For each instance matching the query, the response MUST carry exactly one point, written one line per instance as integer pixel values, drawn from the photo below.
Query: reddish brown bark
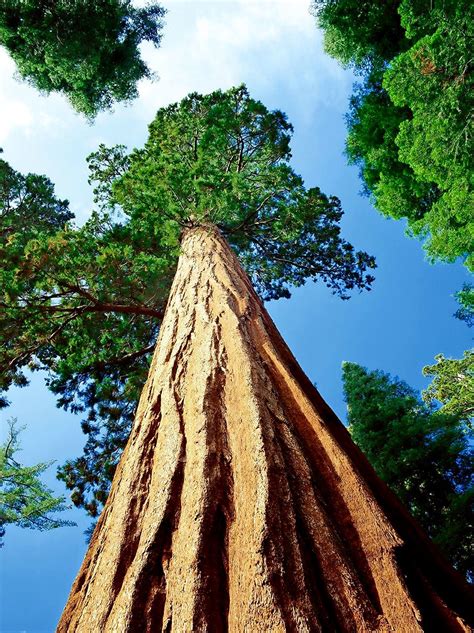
(240, 502)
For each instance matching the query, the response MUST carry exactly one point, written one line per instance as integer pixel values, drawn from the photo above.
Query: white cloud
(14, 112)
(273, 45)
(23, 110)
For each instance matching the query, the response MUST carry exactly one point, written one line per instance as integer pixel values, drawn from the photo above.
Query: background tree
(411, 118)
(86, 303)
(28, 209)
(423, 454)
(453, 378)
(88, 51)
(363, 34)
(24, 500)
(465, 299)
(453, 384)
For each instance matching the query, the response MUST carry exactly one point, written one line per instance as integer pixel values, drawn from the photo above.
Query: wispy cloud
(272, 45)
(24, 111)
(14, 112)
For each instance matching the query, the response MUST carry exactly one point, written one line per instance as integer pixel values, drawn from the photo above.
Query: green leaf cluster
(452, 385)
(465, 299)
(88, 51)
(360, 34)
(453, 378)
(424, 454)
(29, 211)
(411, 118)
(85, 303)
(223, 159)
(24, 500)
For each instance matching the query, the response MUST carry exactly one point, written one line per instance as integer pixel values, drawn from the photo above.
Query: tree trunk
(240, 502)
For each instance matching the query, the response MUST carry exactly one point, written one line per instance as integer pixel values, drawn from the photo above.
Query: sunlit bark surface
(240, 502)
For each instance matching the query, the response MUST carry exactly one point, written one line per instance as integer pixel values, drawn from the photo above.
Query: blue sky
(274, 47)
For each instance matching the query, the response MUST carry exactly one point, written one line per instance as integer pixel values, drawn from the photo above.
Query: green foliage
(85, 304)
(360, 33)
(453, 378)
(28, 210)
(465, 298)
(416, 96)
(434, 80)
(452, 385)
(24, 500)
(374, 123)
(86, 50)
(223, 158)
(424, 455)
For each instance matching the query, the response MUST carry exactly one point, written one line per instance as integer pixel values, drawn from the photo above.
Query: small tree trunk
(240, 502)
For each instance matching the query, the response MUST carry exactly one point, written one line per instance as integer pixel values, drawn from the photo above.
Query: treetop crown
(223, 158)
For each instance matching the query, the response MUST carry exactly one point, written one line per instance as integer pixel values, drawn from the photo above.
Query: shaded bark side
(240, 502)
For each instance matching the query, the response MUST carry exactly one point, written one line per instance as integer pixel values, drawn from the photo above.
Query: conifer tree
(88, 51)
(240, 502)
(24, 499)
(410, 119)
(453, 378)
(424, 454)
(223, 511)
(85, 304)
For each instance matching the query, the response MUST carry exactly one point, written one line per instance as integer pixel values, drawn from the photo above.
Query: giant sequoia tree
(86, 304)
(88, 51)
(240, 502)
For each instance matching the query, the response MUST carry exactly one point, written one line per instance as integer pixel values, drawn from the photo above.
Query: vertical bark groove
(322, 555)
(324, 482)
(240, 503)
